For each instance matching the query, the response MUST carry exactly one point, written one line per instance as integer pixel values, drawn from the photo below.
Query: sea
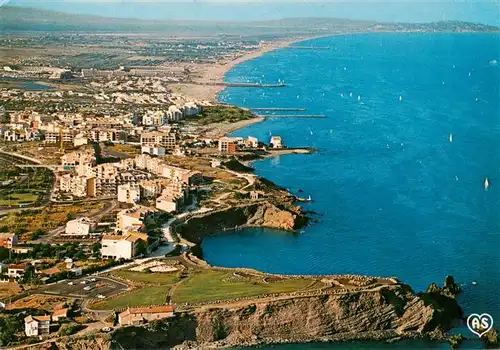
(411, 133)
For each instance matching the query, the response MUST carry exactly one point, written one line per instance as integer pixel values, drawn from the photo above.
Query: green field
(209, 285)
(19, 198)
(200, 285)
(148, 278)
(144, 296)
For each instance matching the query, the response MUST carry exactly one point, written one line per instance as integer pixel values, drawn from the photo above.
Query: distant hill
(15, 18)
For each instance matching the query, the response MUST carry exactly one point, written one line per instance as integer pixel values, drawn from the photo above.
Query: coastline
(214, 73)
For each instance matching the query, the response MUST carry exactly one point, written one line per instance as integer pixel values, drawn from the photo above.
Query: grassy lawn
(145, 296)
(167, 278)
(154, 291)
(218, 285)
(18, 198)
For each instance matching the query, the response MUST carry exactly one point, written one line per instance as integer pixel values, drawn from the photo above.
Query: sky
(485, 11)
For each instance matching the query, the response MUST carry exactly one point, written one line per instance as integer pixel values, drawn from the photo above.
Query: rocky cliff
(383, 313)
(262, 214)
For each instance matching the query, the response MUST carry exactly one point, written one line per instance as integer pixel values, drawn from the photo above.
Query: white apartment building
(167, 140)
(80, 227)
(228, 144)
(154, 118)
(190, 109)
(80, 140)
(119, 246)
(36, 325)
(153, 150)
(79, 186)
(108, 135)
(276, 142)
(131, 218)
(129, 193)
(174, 113)
(78, 157)
(16, 271)
(150, 188)
(252, 142)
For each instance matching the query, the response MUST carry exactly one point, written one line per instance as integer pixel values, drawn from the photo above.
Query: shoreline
(215, 73)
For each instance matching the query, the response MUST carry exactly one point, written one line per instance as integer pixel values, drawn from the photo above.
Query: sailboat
(350, 94)
(486, 184)
(400, 97)
(359, 97)
(341, 94)
(451, 138)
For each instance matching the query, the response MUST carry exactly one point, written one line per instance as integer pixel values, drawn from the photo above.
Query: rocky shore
(259, 214)
(387, 313)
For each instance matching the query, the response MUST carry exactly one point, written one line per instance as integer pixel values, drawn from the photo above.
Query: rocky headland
(385, 313)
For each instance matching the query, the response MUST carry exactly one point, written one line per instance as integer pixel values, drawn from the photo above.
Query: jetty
(293, 116)
(310, 47)
(253, 85)
(277, 109)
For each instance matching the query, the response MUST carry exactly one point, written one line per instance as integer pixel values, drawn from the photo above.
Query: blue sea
(412, 132)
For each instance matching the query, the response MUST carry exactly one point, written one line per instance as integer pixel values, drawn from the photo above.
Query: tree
(29, 275)
(4, 253)
(141, 247)
(96, 249)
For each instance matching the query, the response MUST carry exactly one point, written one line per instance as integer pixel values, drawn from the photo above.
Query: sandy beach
(214, 73)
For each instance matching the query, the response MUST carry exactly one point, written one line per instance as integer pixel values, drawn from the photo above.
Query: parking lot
(91, 287)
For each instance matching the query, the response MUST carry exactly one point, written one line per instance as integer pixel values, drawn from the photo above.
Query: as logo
(480, 324)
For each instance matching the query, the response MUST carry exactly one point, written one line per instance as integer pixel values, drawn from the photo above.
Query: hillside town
(101, 178)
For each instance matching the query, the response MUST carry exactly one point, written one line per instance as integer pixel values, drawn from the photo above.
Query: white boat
(470, 74)
(350, 94)
(298, 96)
(474, 283)
(359, 97)
(310, 131)
(341, 94)
(400, 97)
(486, 184)
(456, 178)
(451, 138)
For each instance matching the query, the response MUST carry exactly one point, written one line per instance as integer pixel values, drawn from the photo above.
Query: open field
(210, 285)
(48, 303)
(144, 296)
(8, 290)
(199, 285)
(146, 278)
(22, 186)
(27, 222)
(151, 289)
